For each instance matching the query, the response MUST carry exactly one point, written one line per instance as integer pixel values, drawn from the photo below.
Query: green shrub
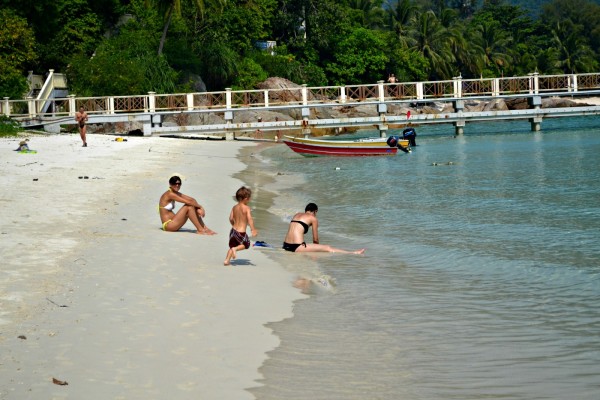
(8, 126)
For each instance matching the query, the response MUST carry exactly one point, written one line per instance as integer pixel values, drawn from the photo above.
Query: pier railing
(456, 88)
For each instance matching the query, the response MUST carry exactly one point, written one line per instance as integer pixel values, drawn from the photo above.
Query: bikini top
(301, 223)
(170, 206)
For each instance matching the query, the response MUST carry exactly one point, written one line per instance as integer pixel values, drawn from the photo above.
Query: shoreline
(147, 314)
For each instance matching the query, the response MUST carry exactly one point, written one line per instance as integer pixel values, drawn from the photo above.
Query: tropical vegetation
(120, 47)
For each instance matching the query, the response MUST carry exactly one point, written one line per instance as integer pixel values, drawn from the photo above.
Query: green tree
(494, 43)
(431, 40)
(173, 7)
(250, 74)
(17, 53)
(408, 65)
(125, 64)
(575, 55)
(582, 13)
(80, 32)
(12, 81)
(244, 22)
(360, 57)
(367, 13)
(17, 41)
(399, 19)
(220, 64)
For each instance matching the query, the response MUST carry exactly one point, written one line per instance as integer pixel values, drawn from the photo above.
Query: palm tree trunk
(165, 29)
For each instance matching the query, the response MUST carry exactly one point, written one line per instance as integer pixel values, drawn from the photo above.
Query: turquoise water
(481, 277)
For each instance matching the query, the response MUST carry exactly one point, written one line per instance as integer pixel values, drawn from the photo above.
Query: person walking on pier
(81, 118)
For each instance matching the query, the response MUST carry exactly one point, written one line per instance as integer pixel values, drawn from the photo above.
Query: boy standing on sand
(240, 217)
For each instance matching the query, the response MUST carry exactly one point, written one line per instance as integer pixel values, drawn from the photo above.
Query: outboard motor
(410, 134)
(394, 141)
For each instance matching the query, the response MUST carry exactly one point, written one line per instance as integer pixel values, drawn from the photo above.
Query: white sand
(105, 300)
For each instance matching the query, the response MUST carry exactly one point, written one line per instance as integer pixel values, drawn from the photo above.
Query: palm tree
(399, 17)
(575, 55)
(432, 41)
(170, 7)
(495, 45)
(373, 15)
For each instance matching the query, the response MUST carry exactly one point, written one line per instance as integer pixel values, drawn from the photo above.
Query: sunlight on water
(481, 278)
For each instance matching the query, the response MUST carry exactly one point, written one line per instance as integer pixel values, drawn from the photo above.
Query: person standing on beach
(81, 118)
(294, 239)
(259, 133)
(240, 218)
(171, 221)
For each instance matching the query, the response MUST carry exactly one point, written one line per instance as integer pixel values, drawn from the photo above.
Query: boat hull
(343, 148)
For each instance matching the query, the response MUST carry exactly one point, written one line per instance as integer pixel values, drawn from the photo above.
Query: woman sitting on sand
(171, 221)
(294, 240)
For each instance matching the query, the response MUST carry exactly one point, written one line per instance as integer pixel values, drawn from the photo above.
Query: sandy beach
(94, 294)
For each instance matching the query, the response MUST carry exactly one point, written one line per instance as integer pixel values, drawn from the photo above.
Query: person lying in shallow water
(294, 239)
(171, 221)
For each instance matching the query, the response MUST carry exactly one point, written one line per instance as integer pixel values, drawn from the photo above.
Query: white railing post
(457, 86)
(152, 101)
(534, 83)
(31, 106)
(228, 98)
(574, 82)
(72, 105)
(228, 116)
(190, 101)
(6, 106)
(342, 94)
(266, 94)
(111, 104)
(381, 91)
(304, 94)
(496, 87)
(419, 90)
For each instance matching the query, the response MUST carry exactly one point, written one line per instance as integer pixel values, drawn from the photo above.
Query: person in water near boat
(171, 221)
(81, 118)
(294, 239)
(240, 218)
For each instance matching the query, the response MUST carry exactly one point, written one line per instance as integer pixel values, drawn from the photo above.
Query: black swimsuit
(293, 246)
(303, 224)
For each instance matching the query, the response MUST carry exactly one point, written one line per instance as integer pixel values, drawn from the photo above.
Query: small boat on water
(358, 147)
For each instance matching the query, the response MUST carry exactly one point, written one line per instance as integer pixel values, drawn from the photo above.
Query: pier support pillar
(305, 117)
(147, 128)
(536, 122)
(383, 128)
(459, 105)
(382, 110)
(229, 134)
(459, 128)
(6, 107)
(156, 120)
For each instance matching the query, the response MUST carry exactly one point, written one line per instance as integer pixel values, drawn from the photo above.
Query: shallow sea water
(481, 277)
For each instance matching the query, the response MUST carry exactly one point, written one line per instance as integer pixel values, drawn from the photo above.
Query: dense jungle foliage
(121, 47)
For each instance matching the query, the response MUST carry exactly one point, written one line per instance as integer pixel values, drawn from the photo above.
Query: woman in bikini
(171, 221)
(294, 240)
